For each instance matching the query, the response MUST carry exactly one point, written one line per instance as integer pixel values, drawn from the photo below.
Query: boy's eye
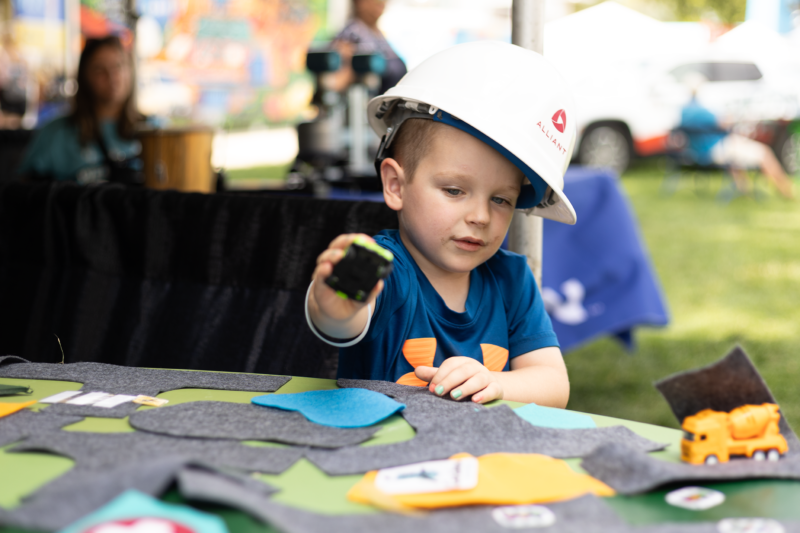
(500, 201)
(453, 192)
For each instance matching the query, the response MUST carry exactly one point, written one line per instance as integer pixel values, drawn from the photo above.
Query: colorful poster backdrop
(226, 63)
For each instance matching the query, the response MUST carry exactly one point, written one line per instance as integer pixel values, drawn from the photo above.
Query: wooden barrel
(178, 159)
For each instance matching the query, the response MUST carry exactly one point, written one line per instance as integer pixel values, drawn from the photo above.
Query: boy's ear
(394, 180)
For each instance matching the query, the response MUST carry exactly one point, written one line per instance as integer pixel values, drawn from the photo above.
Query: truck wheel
(773, 455)
(605, 145)
(759, 455)
(712, 459)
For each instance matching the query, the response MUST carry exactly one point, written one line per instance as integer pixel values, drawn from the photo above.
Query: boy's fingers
(343, 241)
(445, 369)
(476, 383)
(491, 392)
(453, 379)
(334, 255)
(322, 272)
(425, 373)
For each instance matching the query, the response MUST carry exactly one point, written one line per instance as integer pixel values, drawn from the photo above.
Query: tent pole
(527, 31)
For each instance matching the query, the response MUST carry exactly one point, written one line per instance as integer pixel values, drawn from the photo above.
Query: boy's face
(455, 212)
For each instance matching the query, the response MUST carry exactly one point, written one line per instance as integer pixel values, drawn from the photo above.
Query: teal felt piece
(550, 417)
(341, 408)
(135, 511)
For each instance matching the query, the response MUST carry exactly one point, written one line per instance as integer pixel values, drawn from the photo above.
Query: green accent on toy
(373, 247)
(341, 295)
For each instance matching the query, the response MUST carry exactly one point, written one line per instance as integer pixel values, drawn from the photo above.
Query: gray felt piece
(586, 514)
(95, 451)
(130, 380)
(25, 423)
(725, 385)
(225, 420)
(423, 409)
(80, 492)
(492, 430)
(630, 471)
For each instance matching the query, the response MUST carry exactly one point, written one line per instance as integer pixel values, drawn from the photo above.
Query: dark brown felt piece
(96, 451)
(630, 471)
(100, 377)
(238, 421)
(729, 383)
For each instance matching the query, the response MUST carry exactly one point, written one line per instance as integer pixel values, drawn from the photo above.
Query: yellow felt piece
(11, 408)
(503, 479)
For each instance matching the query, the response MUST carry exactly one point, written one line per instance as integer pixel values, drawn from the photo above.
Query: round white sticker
(523, 516)
(749, 525)
(695, 498)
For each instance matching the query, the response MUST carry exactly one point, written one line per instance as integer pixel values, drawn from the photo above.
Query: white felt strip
(114, 401)
(61, 396)
(89, 399)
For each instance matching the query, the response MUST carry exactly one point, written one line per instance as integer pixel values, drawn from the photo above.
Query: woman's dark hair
(83, 113)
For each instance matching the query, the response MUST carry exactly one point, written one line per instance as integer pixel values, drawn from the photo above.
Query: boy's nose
(478, 214)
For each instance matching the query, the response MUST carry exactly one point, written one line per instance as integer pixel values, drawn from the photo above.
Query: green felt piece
(11, 390)
(307, 487)
(101, 425)
(23, 473)
(306, 384)
(40, 389)
(393, 429)
(743, 499)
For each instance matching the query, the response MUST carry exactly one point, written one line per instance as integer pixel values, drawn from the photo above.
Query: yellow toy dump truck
(751, 430)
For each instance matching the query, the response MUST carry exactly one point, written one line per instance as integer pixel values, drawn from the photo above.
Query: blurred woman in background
(362, 36)
(95, 143)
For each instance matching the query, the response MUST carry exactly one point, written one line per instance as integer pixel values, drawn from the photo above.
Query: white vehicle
(626, 69)
(633, 115)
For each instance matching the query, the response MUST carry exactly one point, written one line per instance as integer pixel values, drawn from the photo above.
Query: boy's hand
(462, 377)
(331, 306)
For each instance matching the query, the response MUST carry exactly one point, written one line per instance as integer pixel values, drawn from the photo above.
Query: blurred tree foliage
(728, 11)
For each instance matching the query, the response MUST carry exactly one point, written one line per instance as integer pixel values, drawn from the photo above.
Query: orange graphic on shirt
(420, 352)
(494, 357)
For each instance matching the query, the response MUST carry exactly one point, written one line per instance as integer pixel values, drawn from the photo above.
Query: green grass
(272, 172)
(731, 274)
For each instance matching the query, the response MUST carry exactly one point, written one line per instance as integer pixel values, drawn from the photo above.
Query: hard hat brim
(560, 211)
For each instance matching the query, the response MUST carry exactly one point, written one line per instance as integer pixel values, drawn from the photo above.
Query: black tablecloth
(167, 279)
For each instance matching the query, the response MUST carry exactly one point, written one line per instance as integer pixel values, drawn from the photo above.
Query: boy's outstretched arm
(539, 376)
(331, 314)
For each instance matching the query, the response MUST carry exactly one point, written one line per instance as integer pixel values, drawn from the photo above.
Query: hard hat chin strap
(398, 111)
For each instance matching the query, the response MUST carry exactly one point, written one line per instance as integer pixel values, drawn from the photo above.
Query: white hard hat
(509, 97)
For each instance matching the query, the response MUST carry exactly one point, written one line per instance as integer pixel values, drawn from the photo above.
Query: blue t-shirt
(56, 152)
(412, 326)
(702, 130)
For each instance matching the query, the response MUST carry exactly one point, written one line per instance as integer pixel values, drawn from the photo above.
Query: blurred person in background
(362, 36)
(712, 142)
(95, 142)
(14, 78)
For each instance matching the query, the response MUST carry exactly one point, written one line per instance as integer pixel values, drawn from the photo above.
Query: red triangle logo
(560, 120)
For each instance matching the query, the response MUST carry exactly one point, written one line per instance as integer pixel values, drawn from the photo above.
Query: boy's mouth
(469, 244)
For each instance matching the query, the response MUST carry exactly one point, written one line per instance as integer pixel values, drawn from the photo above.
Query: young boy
(468, 136)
